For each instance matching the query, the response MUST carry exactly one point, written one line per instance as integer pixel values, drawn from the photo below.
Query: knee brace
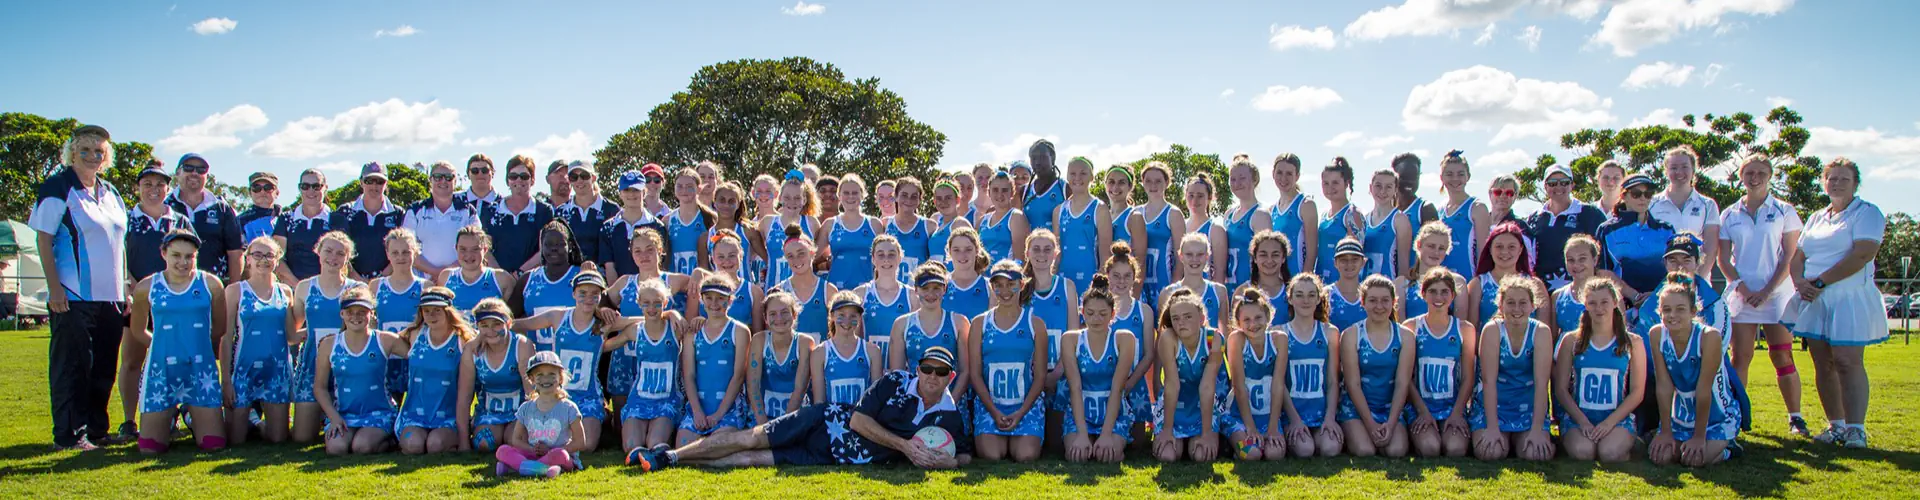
(152, 445)
(1782, 371)
(211, 443)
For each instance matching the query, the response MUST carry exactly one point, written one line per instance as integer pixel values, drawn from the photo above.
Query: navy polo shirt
(143, 240)
(515, 235)
(301, 233)
(368, 232)
(586, 222)
(616, 238)
(257, 221)
(218, 227)
(1550, 234)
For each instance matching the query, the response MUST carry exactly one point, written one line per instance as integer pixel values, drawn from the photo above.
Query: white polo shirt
(1756, 235)
(438, 229)
(89, 230)
(1828, 238)
(1695, 215)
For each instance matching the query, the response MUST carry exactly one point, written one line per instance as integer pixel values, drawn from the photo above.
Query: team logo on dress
(1770, 217)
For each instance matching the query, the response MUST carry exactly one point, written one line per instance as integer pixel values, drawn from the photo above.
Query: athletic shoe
(647, 460)
(128, 433)
(553, 472)
(1798, 426)
(1833, 435)
(636, 456)
(82, 445)
(1855, 438)
(499, 469)
(1734, 450)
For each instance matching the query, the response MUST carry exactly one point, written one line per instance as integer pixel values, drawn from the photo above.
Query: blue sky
(282, 86)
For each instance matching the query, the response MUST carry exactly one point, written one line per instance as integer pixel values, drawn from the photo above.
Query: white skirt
(1848, 313)
(1773, 310)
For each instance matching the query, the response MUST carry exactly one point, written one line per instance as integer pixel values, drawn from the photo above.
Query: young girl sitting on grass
(547, 435)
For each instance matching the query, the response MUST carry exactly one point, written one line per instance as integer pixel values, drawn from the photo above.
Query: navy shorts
(818, 435)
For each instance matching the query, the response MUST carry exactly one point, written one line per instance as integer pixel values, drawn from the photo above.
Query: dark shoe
(1798, 426)
(82, 445)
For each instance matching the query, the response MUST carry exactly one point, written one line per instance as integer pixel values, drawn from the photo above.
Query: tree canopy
(405, 184)
(1185, 163)
(30, 151)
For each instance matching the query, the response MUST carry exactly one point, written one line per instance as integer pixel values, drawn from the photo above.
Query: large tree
(405, 184)
(1185, 164)
(1722, 142)
(756, 116)
(30, 151)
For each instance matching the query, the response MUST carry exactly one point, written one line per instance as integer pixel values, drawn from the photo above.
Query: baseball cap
(1020, 165)
(1637, 180)
(93, 130)
(938, 353)
(579, 165)
(653, 170)
(1684, 244)
(556, 166)
(264, 176)
(180, 235)
(1557, 170)
(545, 358)
(632, 180)
(373, 169)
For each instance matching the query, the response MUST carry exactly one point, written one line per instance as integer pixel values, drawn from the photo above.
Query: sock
(533, 468)
(1793, 415)
(672, 457)
(153, 445)
(211, 443)
(1837, 424)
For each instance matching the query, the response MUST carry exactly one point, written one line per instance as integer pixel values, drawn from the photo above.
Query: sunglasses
(262, 187)
(579, 177)
(1502, 193)
(1639, 193)
(309, 186)
(1559, 183)
(374, 181)
(478, 171)
(937, 371)
(520, 177)
(656, 180)
(193, 169)
(442, 177)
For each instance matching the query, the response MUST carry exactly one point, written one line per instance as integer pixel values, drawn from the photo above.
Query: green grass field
(1776, 465)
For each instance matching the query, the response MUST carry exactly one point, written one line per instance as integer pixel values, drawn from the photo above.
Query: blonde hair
(1516, 284)
(67, 154)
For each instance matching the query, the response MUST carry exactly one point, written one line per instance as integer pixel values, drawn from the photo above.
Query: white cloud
(1883, 156)
(574, 146)
(1632, 25)
(1712, 73)
(1659, 73)
(1298, 37)
(216, 131)
(1430, 17)
(348, 167)
(804, 9)
(403, 30)
(1101, 154)
(1486, 35)
(382, 125)
(1504, 161)
(1344, 138)
(1299, 100)
(485, 141)
(1777, 101)
(1226, 93)
(1662, 116)
(1483, 97)
(214, 26)
(1530, 37)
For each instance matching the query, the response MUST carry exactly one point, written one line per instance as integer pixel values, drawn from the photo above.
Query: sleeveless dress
(498, 386)
(1567, 308)
(1722, 423)
(1515, 382)
(1599, 383)
(544, 295)
(1080, 243)
(1287, 221)
(1341, 312)
(1258, 364)
(1190, 366)
(684, 239)
(1006, 358)
(1120, 231)
(1436, 370)
(811, 319)
(846, 376)
(1039, 208)
(918, 339)
(915, 244)
(777, 372)
(970, 300)
(1136, 320)
(181, 368)
(778, 269)
(937, 239)
(579, 347)
(396, 309)
(997, 239)
(1307, 375)
(1332, 228)
(467, 295)
(1096, 387)
(360, 391)
(1382, 245)
(712, 372)
(655, 392)
(877, 321)
(262, 365)
(1240, 248)
(852, 251)
(1157, 254)
(1052, 308)
(431, 373)
(323, 320)
(1461, 255)
(1377, 368)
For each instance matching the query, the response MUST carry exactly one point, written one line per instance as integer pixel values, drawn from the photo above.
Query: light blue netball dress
(467, 295)
(684, 238)
(1052, 308)
(1489, 298)
(997, 238)
(1191, 365)
(1377, 369)
(937, 239)
(777, 372)
(1159, 254)
(778, 269)
(1436, 374)
(1096, 387)
(712, 372)
(432, 370)
(1307, 375)
(1567, 308)
(1722, 423)
(852, 250)
(1599, 383)
(360, 391)
(1460, 226)
(262, 365)
(846, 375)
(396, 309)
(877, 320)
(1258, 365)
(1039, 208)
(1341, 312)
(1135, 319)
(181, 368)
(579, 346)
(915, 243)
(1287, 221)
(811, 318)
(918, 338)
(1382, 243)
(1332, 228)
(498, 385)
(1515, 382)
(1006, 359)
(655, 392)
(1120, 231)
(1240, 247)
(544, 295)
(323, 320)
(1080, 243)
(969, 300)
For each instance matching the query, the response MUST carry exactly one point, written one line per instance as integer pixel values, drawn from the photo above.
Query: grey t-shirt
(548, 427)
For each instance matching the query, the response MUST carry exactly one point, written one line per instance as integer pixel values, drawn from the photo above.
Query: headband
(489, 314)
(948, 185)
(795, 174)
(847, 303)
(716, 288)
(1009, 274)
(928, 279)
(352, 303)
(1123, 171)
(1081, 159)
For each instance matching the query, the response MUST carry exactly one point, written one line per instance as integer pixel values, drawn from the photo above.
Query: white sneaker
(1834, 434)
(1855, 438)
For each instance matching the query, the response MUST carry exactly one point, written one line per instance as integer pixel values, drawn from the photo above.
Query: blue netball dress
(1159, 252)
(1460, 226)
(1567, 308)
(323, 320)
(1515, 382)
(712, 372)
(877, 320)
(1120, 230)
(544, 295)
(1137, 321)
(683, 241)
(1052, 308)
(1415, 303)
(1191, 366)
(1377, 370)
(1006, 358)
(1341, 312)
(970, 300)
(360, 391)
(915, 243)
(1287, 221)
(1258, 364)
(997, 239)
(1240, 248)
(918, 339)
(852, 251)
(1096, 386)
(811, 318)
(1489, 297)
(778, 269)
(467, 295)
(498, 385)
(1209, 299)
(396, 309)
(1282, 311)
(1333, 227)
(1722, 423)
(262, 367)
(1599, 383)
(1382, 245)
(1713, 311)
(655, 392)
(579, 347)
(846, 375)
(937, 240)
(1040, 208)
(777, 371)
(431, 372)
(740, 307)
(1412, 211)
(1206, 229)
(1307, 375)
(1080, 243)
(1437, 364)
(181, 369)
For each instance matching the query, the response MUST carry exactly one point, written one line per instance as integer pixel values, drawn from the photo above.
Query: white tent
(21, 273)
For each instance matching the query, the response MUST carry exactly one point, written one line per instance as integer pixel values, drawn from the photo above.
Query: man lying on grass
(880, 429)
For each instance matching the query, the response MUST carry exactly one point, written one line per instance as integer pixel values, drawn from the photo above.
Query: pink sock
(558, 457)
(153, 445)
(211, 443)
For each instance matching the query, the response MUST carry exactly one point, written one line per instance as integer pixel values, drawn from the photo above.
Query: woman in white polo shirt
(437, 221)
(82, 227)
(1837, 308)
(1686, 209)
(1756, 235)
